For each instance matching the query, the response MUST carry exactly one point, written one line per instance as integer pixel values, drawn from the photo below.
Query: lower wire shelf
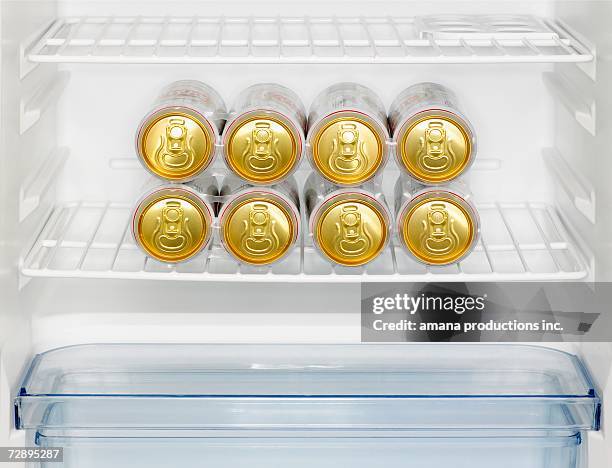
(519, 241)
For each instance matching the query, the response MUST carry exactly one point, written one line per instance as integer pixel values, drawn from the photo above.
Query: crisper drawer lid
(315, 387)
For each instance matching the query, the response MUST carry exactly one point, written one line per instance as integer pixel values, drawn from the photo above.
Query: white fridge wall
(516, 114)
(590, 154)
(22, 153)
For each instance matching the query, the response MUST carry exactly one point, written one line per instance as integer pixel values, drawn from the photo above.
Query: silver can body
(232, 186)
(270, 96)
(205, 186)
(318, 189)
(196, 96)
(406, 189)
(347, 97)
(419, 98)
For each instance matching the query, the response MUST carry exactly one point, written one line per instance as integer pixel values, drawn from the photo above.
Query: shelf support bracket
(578, 190)
(36, 186)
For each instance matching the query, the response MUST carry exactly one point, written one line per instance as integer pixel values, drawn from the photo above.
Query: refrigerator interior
(69, 112)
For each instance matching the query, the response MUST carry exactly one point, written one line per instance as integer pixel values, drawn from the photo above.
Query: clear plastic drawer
(277, 405)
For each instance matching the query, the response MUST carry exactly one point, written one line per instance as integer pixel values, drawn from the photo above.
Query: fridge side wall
(28, 145)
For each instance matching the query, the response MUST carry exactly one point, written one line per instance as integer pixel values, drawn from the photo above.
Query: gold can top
(436, 147)
(176, 145)
(263, 149)
(259, 229)
(172, 225)
(438, 229)
(352, 230)
(348, 150)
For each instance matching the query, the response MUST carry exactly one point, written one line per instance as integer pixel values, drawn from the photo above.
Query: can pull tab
(172, 233)
(259, 236)
(353, 237)
(439, 236)
(261, 154)
(175, 151)
(436, 152)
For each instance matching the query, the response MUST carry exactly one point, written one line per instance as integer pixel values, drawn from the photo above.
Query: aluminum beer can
(174, 222)
(176, 139)
(349, 226)
(347, 134)
(435, 142)
(263, 140)
(259, 225)
(436, 225)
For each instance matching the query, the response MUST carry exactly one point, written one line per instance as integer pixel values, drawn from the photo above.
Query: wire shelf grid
(519, 241)
(430, 39)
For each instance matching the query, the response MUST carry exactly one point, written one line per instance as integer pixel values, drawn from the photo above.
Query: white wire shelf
(520, 241)
(430, 39)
